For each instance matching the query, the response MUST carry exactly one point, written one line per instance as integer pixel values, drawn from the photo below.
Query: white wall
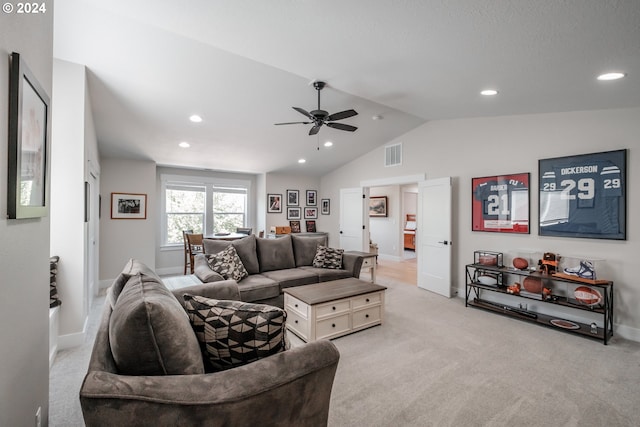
(74, 149)
(121, 239)
(279, 184)
(469, 148)
(24, 246)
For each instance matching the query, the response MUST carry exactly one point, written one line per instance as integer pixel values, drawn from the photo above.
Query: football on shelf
(588, 296)
(520, 263)
(532, 284)
(488, 260)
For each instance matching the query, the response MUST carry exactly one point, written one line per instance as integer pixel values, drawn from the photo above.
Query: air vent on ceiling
(393, 155)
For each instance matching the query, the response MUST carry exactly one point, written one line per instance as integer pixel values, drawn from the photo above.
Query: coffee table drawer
(368, 299)
(335, 307)
(367, 316)
(298, 324)
(333, 326)
(294, 304)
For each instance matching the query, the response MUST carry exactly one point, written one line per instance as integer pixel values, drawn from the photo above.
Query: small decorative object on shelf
(549, 263)
(520, 263)
(488, 258)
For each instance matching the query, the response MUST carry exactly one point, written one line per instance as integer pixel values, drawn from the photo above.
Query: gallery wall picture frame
(28, 142)
(310, 212)
(312, 197)
(274, 203)
(325, 206)
(293, 198)
(295, 226)
(294, 213)
(500, 203)
(311, 226)
(584, 196)
(378, 206)
(128, 206)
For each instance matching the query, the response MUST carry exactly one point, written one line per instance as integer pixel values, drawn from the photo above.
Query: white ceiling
(242, 65)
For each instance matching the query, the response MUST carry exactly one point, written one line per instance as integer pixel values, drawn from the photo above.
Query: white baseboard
(627, 332)
(54, 316)
(73, 340)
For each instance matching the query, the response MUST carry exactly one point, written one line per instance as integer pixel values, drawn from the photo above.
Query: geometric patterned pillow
(328, 257)
(234, 333)
(228, 264)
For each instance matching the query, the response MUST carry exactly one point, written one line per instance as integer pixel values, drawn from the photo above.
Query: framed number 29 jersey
(583, 196)
(500, 203)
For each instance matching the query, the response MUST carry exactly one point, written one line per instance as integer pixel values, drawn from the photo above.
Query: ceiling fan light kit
(321, 117)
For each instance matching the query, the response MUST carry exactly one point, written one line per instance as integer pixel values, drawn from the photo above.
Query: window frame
(210, 184)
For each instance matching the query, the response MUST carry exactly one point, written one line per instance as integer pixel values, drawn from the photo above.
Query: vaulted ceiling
(242, 64)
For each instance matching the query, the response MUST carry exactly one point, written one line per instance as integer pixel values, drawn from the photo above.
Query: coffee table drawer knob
(366, 315)
(333, 308)
(367, 300)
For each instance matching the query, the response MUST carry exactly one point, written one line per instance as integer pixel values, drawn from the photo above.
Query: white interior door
(354, 219)
(434, 236)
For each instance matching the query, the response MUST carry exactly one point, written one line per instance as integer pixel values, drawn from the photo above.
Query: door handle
(445, 242)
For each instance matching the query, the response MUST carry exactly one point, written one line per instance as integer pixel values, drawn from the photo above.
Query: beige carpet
(436, 363)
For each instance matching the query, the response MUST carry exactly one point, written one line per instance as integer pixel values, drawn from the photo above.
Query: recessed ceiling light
(377, 117)
(489, 92)
(611, 76)
(302, 161)
(195, 118)
(184, 144)
(328, 144)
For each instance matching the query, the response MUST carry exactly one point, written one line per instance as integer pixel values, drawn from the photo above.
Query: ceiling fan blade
(342, 115)
(301, 111)
(293, 123)
(314, 130)
(342, 126)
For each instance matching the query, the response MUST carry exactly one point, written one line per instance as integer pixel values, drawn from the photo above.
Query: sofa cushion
(227, 263)
(234, 333)
(292, 277)
(257, 287)
(328, 257)
(150, 333)
(275, 254)
(305, 248)
(246, 248)
(327, 274)
(131, 268)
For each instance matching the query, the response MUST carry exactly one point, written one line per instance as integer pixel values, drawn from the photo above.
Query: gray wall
(469, 148)
(24, 246)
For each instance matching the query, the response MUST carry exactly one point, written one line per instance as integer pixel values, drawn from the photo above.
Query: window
(202, 204)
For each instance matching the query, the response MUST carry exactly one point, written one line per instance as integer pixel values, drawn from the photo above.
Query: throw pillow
(228, 264)
(234, 333)
(328, 258)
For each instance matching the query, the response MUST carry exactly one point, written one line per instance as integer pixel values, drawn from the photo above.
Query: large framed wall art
(500, 203)
(27, 192)
(584, 196)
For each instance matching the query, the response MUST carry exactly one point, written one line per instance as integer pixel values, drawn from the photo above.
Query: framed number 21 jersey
(500, 203)
(583, 196)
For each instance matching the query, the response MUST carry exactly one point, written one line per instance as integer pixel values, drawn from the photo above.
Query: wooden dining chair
(187, 260)
(194, 245)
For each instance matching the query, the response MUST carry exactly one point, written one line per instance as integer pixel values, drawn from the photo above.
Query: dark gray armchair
(291, 388)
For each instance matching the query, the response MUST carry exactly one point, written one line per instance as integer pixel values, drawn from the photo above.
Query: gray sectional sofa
(275, 264)
(147, 369)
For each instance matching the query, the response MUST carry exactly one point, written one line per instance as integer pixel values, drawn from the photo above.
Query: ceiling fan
(321, 117)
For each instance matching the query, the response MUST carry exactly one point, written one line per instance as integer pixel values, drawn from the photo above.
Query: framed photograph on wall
(312, 197)
(28, 143)
(294, 213)
(311, 226)
(325, 207)
(128, 206)
(584, 196)
(500, 203)
(378, 206)
(274, 203)
(310, 213)
(293, 197)
(295, 226)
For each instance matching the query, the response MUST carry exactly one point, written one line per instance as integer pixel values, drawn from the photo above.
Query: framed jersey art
(500, 203)
(584, 196)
